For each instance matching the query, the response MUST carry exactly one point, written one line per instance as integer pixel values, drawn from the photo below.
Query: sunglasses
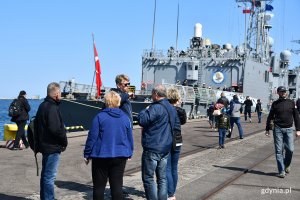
(126, 84)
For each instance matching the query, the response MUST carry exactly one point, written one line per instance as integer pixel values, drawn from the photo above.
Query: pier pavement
(245, 169)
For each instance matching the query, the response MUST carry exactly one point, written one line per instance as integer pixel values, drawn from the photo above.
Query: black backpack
(14, 109)
(33, 141)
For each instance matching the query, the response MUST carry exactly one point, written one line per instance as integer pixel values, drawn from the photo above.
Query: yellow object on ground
(10, 131)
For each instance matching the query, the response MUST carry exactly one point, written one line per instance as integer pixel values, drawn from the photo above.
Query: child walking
(223, 125)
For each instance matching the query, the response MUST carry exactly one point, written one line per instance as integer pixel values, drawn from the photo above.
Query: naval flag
(269, 7)
(97, 72)
(246, 10)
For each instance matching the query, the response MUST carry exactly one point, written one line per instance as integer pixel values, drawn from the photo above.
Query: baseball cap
(281, 89)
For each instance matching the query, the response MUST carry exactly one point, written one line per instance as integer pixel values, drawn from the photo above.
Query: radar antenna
(298, 50)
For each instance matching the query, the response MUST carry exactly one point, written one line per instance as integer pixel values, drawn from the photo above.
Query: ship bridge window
(196, 67)
(190, 67)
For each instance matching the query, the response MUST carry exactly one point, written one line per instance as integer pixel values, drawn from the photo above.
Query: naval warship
(201, 72)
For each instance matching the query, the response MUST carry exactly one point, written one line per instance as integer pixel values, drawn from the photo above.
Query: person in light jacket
(235, 116)
(109, 145)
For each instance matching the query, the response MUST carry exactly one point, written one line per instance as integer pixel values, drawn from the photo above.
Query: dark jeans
(259, 116)
(111, 169)
(21, 134)
(172, 171)
(247, 111)
(50, 164)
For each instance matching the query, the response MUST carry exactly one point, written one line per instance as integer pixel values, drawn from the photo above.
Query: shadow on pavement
(247, 171)
(132, 192)
(8, 197)
(128, 192)
(70, 185)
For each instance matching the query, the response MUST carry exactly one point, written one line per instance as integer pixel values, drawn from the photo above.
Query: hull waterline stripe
(82, 104)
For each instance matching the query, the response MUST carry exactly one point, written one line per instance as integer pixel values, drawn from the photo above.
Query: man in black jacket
(248, 104)
(223, 100)
(52, 138)
(282, 113)
(21, 121)
(298, 104)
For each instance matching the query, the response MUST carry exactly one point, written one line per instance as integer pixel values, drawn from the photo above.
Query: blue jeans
(259, 116)
(49, 170)
(237, 121)
(222, 133)
(172, 171)
(283, 138)
(154, 162)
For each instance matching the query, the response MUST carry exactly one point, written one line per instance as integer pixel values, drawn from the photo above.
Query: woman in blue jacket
(109, 145)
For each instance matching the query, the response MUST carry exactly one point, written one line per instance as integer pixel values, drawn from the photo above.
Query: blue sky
(45, 41)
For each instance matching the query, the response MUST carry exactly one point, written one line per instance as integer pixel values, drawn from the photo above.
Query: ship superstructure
(251, 69)
(201, 72)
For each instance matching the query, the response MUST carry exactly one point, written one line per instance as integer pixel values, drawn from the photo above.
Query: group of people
(284, 113)
(110, 143)
(223, 115)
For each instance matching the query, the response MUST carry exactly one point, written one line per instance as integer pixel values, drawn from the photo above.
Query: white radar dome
(227, 46)
(285, 55)
(271, 41)
(198, 30)
(207, 42)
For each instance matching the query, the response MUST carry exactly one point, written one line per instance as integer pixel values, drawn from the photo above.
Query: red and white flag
(98, 72)
(246, 10)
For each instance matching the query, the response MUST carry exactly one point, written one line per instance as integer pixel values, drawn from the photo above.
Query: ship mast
(177, 27)
(153, 30)
(257, 39)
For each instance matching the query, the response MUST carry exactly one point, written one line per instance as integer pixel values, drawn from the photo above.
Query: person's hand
(86, 160)
(297, 133)
(131, 95)
(267, 133)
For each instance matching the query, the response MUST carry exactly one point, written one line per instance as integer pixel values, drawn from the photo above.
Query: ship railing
(72, 87)
(150, 53)
(206, 95)
(187, 93)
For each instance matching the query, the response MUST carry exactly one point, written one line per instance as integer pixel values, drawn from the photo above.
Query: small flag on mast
(246, 10)
(97, 72)
(269, 7)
